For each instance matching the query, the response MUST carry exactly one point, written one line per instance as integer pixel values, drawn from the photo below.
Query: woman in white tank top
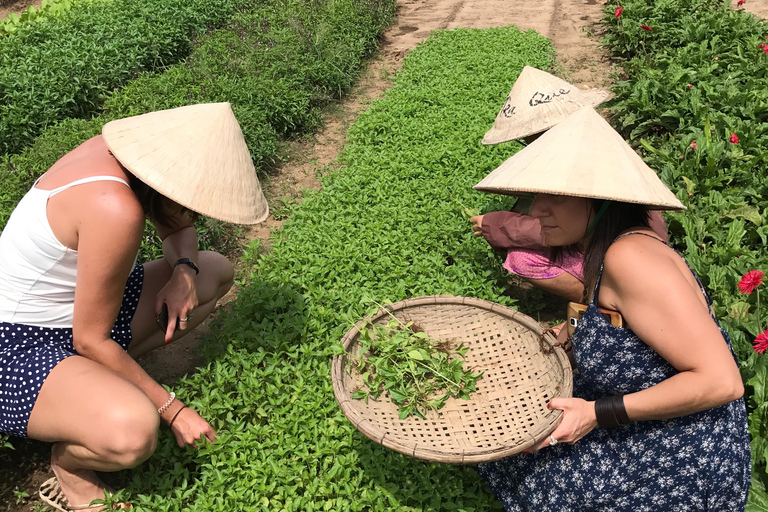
(75, 311)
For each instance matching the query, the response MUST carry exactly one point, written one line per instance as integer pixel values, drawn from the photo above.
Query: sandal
(52, 495)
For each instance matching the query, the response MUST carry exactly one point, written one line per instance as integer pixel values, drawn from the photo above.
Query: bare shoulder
(112, 203)
(639, 264)
(637, 250)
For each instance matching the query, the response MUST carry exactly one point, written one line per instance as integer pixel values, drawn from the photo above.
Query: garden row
(277, 65)
(388, 225)
(65, 67)
(695, 103)
(32, 14)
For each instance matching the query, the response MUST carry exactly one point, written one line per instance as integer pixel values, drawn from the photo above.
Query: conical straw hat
(194, 155)
(537, 102)
(582, 156)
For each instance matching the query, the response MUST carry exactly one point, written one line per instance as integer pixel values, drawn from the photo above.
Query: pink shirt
(528, 254)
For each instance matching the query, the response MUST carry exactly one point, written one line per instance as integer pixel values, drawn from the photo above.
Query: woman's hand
(578, 420)
(188, 426)
(477, 225)
(563, 340)
(180, 294)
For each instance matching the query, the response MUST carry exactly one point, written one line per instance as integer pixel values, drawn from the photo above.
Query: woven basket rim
(427, 451)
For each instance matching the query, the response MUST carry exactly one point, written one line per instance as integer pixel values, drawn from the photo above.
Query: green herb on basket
(417, 372)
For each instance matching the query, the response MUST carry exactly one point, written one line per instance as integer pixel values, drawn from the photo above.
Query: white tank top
(37, 272)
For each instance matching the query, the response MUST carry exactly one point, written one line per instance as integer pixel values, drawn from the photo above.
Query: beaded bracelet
(167, 404)
(610, 411)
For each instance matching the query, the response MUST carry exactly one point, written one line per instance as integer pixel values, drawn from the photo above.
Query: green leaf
(416, 354)
(750, 213)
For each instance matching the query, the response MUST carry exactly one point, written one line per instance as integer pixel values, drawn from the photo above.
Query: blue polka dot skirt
(29, 353)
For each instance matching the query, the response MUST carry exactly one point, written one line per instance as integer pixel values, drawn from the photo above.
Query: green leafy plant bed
(387, 226)
(48, 8)
(277, 67)
(65, 66)
(417, 372)
(694, 102)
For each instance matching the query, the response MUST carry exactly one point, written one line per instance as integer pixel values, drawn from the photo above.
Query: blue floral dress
(696, 462)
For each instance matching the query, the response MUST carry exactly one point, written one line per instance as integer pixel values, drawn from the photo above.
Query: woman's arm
(110, 227)
(506, 230)
(180, 294)
(657, 296)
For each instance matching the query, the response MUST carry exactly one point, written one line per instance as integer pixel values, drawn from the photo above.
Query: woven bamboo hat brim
(194, 155)
(582, 156)
(537, 102)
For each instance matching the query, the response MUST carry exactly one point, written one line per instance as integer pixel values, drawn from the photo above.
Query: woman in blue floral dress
(657, 421)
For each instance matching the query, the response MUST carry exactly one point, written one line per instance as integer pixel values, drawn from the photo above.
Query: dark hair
(618, 217)
(156, 206)
(152, 202)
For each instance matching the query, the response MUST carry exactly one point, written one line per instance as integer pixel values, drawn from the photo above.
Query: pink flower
(761, 342)
(619, 10)
(734, 138)
(750, 281)
(690, 85)
(761, 45)
(646, 27)
(717, 58)
(693, 145)
(765, 49)
(682, 157)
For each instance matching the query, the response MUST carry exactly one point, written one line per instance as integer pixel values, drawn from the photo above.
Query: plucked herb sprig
(417, 372)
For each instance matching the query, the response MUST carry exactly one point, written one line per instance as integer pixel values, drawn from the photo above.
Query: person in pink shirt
(537, 102)
(529, 257)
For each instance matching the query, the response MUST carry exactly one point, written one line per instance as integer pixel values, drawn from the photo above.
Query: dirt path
(571, 24)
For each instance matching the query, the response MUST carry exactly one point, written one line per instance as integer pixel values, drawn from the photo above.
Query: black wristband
(187, 261)
(610, 411)
(175, 415)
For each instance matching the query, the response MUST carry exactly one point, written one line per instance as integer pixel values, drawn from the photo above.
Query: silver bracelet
(167, 404)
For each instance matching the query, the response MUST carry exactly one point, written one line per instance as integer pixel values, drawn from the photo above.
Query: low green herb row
(695, 102)
(48, 8)
(387, 226)
(65, 67)
(277, 67)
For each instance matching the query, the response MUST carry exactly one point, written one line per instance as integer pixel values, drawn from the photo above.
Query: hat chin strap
(600, 212)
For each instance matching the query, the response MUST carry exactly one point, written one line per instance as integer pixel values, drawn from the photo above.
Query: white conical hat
(537, 102)
(194, 155)
(582, 156)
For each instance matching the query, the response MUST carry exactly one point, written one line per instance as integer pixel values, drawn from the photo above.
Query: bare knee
(132, 435)
(219, 269)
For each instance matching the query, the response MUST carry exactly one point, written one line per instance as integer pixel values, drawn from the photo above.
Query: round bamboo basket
(506, 415)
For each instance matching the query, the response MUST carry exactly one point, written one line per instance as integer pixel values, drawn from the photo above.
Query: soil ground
(571, 24)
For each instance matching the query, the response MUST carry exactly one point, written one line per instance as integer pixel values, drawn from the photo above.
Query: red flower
(690, 85)
(740, 2)
(693, 145)
(761, 342)
(734, 138)
(619, 10)
(761, 45)
(646, 27)
(765, 49)
(750, 281)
